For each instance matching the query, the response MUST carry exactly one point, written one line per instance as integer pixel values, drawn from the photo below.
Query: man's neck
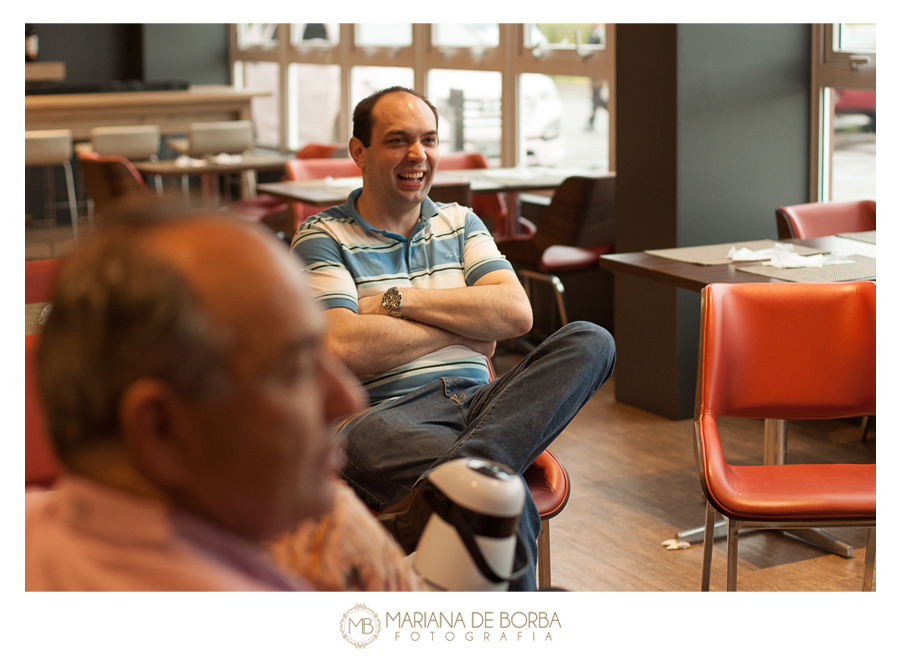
(108, 465)
(401, 222)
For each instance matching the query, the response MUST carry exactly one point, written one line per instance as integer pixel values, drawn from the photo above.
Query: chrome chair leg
(708, 539)
(731, 572)
(558, 290)
(73, 204)
(869, 574)
(544, 555)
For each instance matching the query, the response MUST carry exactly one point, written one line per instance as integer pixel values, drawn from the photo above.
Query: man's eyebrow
(391, 133)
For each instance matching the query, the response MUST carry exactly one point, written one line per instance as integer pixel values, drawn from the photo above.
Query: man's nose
(416, 152)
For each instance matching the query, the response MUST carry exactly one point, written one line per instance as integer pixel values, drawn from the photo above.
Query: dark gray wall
(93, 52)
(743, 129)
(194, 52)
(712, 135)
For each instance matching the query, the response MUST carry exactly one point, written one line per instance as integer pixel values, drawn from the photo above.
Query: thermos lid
(481, 485)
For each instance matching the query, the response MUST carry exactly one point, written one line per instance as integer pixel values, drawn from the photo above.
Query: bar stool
(134, 143)
(210, 138)
(50, 148)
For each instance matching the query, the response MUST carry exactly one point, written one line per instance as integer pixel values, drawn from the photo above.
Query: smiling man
(416, 296)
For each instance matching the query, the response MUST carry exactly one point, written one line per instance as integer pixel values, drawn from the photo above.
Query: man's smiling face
(398, 165)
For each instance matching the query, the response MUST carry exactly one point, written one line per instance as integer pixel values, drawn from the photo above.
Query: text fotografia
(479, 626)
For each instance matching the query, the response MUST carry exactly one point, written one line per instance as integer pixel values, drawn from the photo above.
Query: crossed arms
(371, 341)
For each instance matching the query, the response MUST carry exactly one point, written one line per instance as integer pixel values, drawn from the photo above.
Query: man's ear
(148, 418)
(358, 153)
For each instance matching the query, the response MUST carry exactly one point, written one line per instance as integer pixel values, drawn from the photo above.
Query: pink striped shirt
(85, 536)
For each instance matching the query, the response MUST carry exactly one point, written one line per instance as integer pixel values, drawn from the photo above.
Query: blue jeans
(510, 420)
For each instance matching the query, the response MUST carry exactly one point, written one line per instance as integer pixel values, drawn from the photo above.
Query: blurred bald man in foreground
(188, 394)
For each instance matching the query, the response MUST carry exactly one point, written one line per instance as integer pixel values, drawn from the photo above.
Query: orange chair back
(313, 169)
(316, 151)
(813, 220)
(41, 464)
(109, 179)
(40, 277)
(489, 207)
(787, 351)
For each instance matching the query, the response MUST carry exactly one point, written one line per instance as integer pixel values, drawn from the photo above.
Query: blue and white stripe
(347, 259)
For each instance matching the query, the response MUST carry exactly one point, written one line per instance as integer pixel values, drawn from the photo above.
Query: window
(523, 94)
(843, 101)
(264, 109)
(314, 101)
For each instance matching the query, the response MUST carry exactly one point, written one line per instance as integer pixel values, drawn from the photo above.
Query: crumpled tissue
(784, 257)
(748, 254)
(188, 161)
(226, 158)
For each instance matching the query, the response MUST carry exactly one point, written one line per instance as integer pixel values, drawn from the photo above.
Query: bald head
(189, 354)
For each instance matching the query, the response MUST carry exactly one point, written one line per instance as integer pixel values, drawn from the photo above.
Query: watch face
(392, 299)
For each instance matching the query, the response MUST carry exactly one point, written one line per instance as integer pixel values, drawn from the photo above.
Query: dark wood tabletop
(695, 277)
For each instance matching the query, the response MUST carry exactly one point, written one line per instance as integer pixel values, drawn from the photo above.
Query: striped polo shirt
(347, 259)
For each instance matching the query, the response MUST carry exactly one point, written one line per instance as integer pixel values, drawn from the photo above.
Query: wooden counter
(45, 71)
(172, 111)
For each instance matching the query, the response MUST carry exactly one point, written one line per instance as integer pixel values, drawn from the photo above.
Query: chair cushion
(559, 259)
(795, 492)
(548, 483)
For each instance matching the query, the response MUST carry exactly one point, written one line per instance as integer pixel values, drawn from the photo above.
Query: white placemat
(717, 254)
(861, 268)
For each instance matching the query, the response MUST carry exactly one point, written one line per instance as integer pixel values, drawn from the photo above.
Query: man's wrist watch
(392, 301)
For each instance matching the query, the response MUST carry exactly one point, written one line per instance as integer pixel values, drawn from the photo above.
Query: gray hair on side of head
(122, 313)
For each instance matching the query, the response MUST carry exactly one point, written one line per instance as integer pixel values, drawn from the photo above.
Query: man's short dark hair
(362, 115)
(121, 312)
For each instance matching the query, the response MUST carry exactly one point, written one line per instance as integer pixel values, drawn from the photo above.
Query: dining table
(211, 167)
(657, 310)
(691, 269)
(509, 181)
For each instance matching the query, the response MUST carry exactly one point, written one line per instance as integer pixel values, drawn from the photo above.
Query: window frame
(831, 69)
(511, 57)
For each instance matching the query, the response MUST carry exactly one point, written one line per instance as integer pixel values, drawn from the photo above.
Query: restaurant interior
(634, 160)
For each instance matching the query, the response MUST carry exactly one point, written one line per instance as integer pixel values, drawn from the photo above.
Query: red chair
(574, 231)
(40, 276)
(813, 220)
(109, 179)
(316, 151)
(313, 169)
(41, 464)
(271, 210)
(491, 207)
(548, 483)
(821, 336)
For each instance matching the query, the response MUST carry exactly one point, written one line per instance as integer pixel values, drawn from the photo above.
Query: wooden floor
(635, 484)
